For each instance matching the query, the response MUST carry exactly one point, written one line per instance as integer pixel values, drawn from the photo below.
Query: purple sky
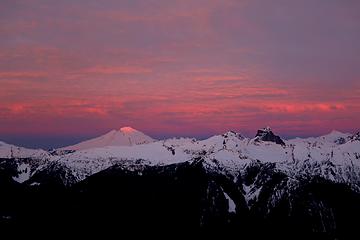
(76, 69)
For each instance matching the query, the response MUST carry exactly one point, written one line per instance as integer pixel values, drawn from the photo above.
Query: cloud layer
(179, 67)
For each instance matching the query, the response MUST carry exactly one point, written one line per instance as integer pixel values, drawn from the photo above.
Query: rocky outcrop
(267, 135)
(355, 137)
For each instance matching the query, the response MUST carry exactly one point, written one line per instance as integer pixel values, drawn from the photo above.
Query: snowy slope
(12, 151)
(26, 161)
(87, 162)
(125, 136)
(334, 137)
(331, 139)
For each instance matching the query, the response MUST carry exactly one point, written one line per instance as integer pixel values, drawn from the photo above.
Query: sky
(71, 70)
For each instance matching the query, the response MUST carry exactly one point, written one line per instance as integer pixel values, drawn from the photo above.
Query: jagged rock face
(355, 137)
(20, 169)
(233, 134)
(340, 141)
(300, 204)
(267, 135)
(53, 174)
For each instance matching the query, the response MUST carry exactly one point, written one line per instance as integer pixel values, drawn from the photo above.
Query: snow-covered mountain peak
(335, 137)
(125, 136)
(336, 133)
(128, 130)
(12, 151)
(266, 129)
(232, 134)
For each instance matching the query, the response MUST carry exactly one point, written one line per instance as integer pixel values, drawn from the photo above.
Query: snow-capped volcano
(125, 136)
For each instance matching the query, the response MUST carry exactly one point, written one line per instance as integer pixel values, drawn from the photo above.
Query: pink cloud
(20, 74)
(303, 107)
(118, 70)
(17, 108)
(18, 26)
(188, 66)
(96, 110)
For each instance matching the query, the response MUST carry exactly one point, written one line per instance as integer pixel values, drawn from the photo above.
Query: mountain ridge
(230, 149)
(225, 180)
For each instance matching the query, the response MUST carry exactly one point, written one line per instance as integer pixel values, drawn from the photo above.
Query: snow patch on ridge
(232, 206)
(23, 173)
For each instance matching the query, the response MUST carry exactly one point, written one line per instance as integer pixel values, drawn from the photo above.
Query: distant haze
(72, 70)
